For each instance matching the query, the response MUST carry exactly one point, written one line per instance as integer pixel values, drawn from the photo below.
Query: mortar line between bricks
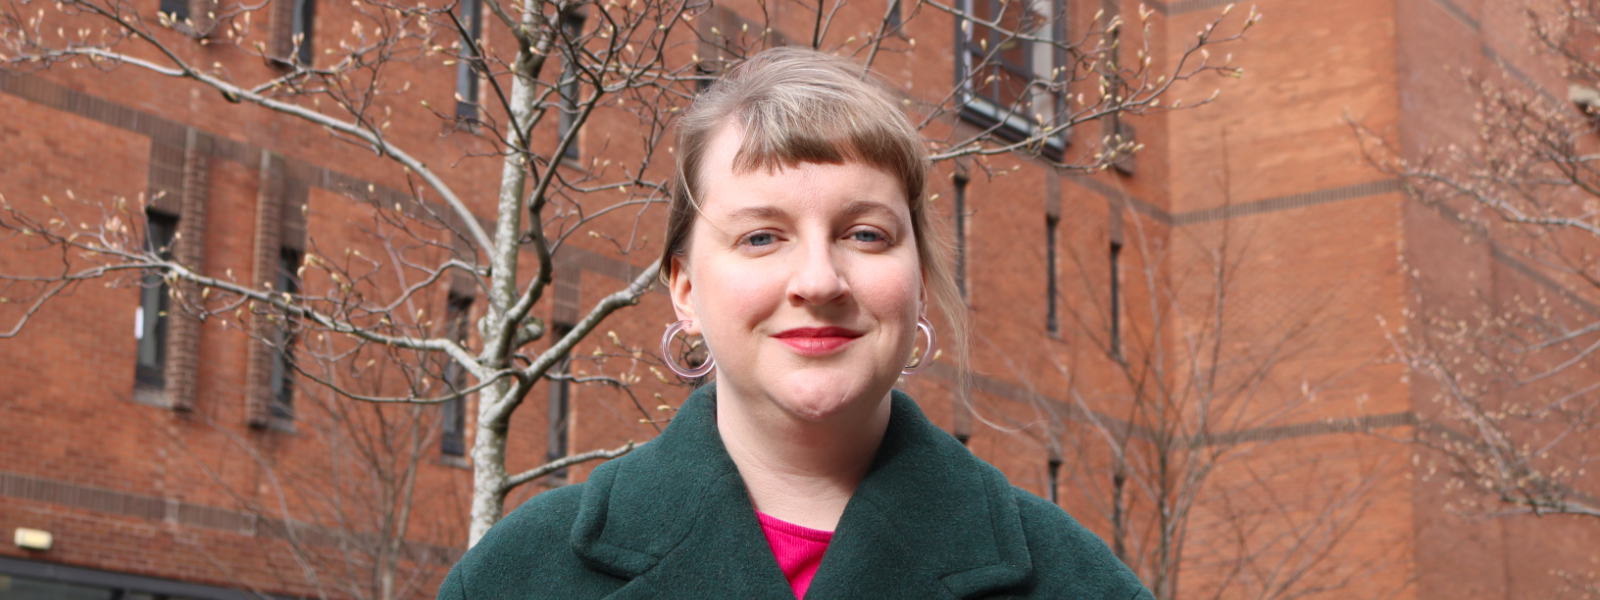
(1269, 433)
(165, 131)
(151, 508)
(1244, 209)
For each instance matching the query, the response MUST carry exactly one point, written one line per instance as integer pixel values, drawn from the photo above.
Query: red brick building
(168, 463)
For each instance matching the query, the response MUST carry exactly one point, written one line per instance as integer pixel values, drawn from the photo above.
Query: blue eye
(866, 235)
(760, 239)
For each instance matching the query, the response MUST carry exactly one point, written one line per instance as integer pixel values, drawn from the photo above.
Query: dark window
(288, 282)
(1008, 82)
(573, 24)
(560, 405)
(453, 425)
(305, 12)
(1121, 133)
(704, 76)
(895, 18)
(1051, 321)
(1116, 300)
(1109, 11)
(466, 68)
(177, 10)
(23, 588)
(961, 234)
(22, 579)
(1115, 129)
(1054, 469)
(150, 319)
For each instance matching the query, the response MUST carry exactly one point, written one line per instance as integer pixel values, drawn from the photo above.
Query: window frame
(468, 94)
(1009, 124)
(568, 88)
(153, 294)
(1053, 474)
(1116, 293)
(302, 24)
(122, 584)
(176, 10)
(1052, 319)
(959, 224)
(453, 423)
(281, 388)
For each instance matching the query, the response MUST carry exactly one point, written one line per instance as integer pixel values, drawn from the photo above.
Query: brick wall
(1269, 171)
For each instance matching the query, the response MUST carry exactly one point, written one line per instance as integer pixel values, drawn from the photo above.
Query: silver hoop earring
(666, 354)
(927, 355)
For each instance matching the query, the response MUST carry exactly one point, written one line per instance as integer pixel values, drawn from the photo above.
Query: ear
(681, 289)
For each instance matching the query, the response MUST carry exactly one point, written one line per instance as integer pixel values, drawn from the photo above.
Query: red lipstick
(817, 341)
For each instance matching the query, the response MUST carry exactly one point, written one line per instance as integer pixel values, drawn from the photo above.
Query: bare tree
(350, 522)
(1517, 406)
(370, 308)
(1181, 424)
(1502, 343)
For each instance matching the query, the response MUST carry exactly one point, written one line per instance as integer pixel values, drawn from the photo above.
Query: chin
(821, 396)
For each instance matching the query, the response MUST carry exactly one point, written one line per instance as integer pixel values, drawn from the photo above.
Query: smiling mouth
(817, 341)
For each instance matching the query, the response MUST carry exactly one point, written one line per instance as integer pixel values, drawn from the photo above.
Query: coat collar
(674, 517)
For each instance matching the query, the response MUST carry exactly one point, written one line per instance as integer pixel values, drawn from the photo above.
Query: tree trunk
(489, 448)
(488, 468)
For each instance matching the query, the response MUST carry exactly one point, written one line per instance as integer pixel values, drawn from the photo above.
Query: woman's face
(804, 282)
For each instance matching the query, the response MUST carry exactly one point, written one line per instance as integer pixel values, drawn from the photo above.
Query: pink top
(798, 549)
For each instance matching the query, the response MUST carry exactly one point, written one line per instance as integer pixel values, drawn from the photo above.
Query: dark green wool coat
(673, 520)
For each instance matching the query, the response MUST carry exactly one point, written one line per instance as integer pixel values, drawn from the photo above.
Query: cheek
(734, 293)
(890, 290)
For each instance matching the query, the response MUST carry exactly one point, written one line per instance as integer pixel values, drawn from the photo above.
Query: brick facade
(153, 489)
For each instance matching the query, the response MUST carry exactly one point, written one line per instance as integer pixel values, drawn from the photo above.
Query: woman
(799, 247)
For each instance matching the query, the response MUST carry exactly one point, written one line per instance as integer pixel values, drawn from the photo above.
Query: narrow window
(1054, 468)
(1110, 10)
(895, 18)
(1119, 132)
(453, 424)
(961, 234)
(1051, 322)
(1122, 134)
(704, 76)
(284, 337)
(175, 10)
(466, 69)
(1116, 300)
(150, 318)
(961, 428)
(573, 24)
(560, 406)
(300, 35)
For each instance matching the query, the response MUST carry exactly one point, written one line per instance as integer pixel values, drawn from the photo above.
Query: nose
(818, 279)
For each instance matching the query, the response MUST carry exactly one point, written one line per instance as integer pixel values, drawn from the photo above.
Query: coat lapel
(929, 520)
(674, 518)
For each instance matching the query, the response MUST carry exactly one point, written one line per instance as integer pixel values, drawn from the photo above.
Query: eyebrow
(756, 213)
(861, 207)
(853, 209)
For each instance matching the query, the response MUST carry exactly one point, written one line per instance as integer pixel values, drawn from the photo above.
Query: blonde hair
(795, 105)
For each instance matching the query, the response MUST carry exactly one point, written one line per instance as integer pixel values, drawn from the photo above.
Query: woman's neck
(803, 472)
